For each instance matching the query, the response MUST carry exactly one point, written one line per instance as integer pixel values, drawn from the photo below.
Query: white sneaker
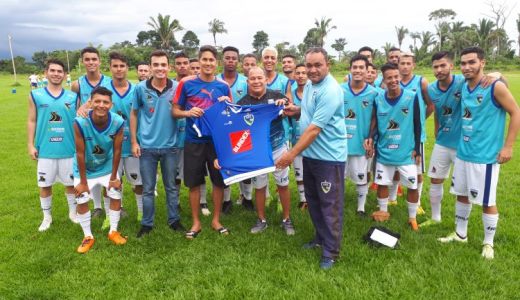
(205, 210)
(488, 252)
(46, 224)
(73, 217)
(453, 237)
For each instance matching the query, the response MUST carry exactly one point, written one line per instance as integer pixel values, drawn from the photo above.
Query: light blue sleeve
(136, 101)
(326, 106)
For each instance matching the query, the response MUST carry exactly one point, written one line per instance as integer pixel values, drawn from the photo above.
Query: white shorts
(131, 167)
(180, 164)
(281, 176)
(440, 162)
(420, 166)
(51, 170)
(476, 181)
(298, 168)
(385, 174)
(92, 182)
(356, 169)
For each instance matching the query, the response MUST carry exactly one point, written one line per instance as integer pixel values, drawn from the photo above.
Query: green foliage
(260, 41)
(216, 26)
(165, 30)
(190, 43)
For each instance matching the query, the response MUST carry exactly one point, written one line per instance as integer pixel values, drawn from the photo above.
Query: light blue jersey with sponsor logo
(414, 85)
(447, 111)
(322, 106)
(239, 86)
(395, 128)
(483, 122)
(99, 145)
(54, 134)
(280, 84)
(86, 88)
(358, 113)
(122, 105)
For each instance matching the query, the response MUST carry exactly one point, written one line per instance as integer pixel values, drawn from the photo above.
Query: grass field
(270, 265)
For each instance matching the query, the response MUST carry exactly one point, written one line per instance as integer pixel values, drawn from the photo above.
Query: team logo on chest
(393, 125)
(446, 110)
(364, 103)
(479, 99)
(325, 186)
(67, 105)
(249, 118)
(351, 114)
(457, 96)
(405, 111)
(55, 117)
(467, 114)
(239, 92)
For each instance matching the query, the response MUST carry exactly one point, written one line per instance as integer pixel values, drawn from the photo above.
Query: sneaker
(248, 205)
(392, 202)
(144, 231)
(453, 237)
(488, 252)
(413, 224)
(429, 223)
(226, 207)
(98, 212)
(302, 205)
(106, 223)
(288, 226)
(124, 213)
(116, 238)
(373, 186)
(326, 263)
(46, 224)
(177, 226)
(381, 216)
(240, 199)
(399, 191)
(73, 217)
(139, 216)
(204, 209)
(361, 214)
(260, 226)
(311, 245)
(86, 244)
(420, 211)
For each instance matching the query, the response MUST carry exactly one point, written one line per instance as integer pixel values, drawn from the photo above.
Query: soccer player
(358, 100)
(123, 94)
(69, 80)
(481, 148)
(324, 148)
(393, 55)
(396, 122)
(238, 85)
(259, 94)
(50, 139)
(248, 61)
(153, 133)
(300, 78)
(288, 65)
(194, 66)
(193, 95)
(276, 82)
(33, 81)
(84, 87)
(143, 71)
(98, 141)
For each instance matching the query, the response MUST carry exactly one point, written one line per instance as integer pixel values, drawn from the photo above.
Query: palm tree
(323, 28)
(216, 26)
(401, 34)
(483, 30)
(339, 45)
(415, 36)
(165, 29)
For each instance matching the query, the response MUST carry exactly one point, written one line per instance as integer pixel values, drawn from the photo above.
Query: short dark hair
(318, 50)
(180, 54)
(442, 54)
(365, 48)
(231, 48)
(394, 49)
(359, 57)
(54, 61)
(249, 55)
(208, 48)
(89, 50)
(299, 65)
(193, 60)
(372, 65)
(289, 55)
(116, 55)
(141, 63)
(388, 66)
(100, 90)
(477, 50)
(159, 53)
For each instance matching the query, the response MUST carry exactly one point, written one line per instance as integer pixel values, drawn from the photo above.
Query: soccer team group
(370, 126)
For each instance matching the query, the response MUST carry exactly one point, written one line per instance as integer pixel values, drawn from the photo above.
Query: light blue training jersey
(99, 145)
(122, 105)
(295, 123)
(447, 111)
(483, 122)
(86, 88)
(322, 106)
(358, 114)
(238, 88)
(414, 85)
(280, 84)
(54, 134)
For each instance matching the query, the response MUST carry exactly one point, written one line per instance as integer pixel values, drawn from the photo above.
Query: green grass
(270, 265)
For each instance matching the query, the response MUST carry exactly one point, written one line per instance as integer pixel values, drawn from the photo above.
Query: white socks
(227, 194)
(462, 211)
(139, 203)
(115, 215)
(436, 193)
(203, 194)
(490, 227)
(392, 190)
(84, 221)
(362, 191)
(412, 210)
(301, 192)
(46, 203)
(383, 204)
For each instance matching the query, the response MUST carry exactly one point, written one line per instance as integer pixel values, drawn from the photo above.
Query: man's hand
(224, 98)
(285, 160)
(83, 110)
(291, 110)
(81, 188)
(33, 153)
(368, 144)
(490, 78)
(216, 164)
(505, 155)
(196, 112)
(416, 157)
(280, 102)
(115, 184)
(136, 150)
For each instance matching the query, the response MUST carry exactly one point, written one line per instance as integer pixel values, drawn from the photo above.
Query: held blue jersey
(241, 138)
(358, 113)
(194, 92)
(122, 105)
(295, 123)
(86, 88)
(395, 127)
(99, 145)
(447, 111)
(156, 127)
(414, 85)
(54, 134)
(483, 122)
(239, 86)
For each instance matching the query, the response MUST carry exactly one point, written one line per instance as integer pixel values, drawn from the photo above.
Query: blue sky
(50, 25)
